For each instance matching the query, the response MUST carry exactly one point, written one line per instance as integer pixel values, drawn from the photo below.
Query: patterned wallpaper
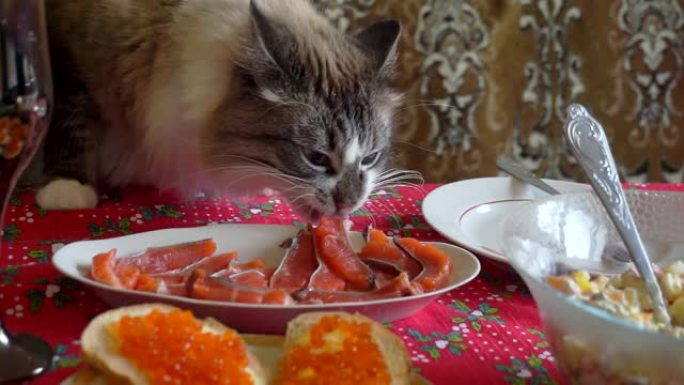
(495, 76)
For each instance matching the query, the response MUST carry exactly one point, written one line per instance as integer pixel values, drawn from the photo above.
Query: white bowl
(251, 241)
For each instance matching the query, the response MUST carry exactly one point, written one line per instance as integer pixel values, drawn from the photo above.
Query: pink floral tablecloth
(487, 332)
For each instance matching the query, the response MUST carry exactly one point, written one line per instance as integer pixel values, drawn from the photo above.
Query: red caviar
(170, 348)
(337, 349)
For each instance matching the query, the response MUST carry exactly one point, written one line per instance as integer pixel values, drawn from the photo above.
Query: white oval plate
(251, 241)
(470, 212)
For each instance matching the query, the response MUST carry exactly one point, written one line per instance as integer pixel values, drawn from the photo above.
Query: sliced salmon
(297, 266)
(147, 282)
(334, 249)
(397, 287)
(384, 273)
(163, 284)
(178, 289)
(252, 278)
(236, 267)
(102, 268)
(375, 235)
(201, 286)
(323, 278)
(169, 258)
(210, 265)
(436, 264)
(213, 263)
(380, 248)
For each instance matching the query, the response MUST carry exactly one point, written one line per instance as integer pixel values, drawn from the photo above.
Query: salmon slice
(252, 278)
(250, 265)
(169, 258)
(102, 268)
(213, 263)
(397, 287)
(375, 235)
(297, 266)
(384, 274)
(210, 265)
(436, 264)
(236, 267)
(380, 248)
(201, 286)
(162, 284)
(323, 278)
(334, 249)
(147, 282)
(178, 289)
(128, 275)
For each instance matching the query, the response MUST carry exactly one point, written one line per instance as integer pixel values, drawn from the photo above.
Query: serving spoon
(588, 142)
(522, 174)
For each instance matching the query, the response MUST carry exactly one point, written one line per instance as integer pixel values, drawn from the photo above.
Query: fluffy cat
(224, 96)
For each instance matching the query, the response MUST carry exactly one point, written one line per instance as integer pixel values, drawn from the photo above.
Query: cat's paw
(66, 194)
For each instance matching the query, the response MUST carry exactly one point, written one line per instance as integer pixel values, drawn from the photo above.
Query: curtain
(490, 77)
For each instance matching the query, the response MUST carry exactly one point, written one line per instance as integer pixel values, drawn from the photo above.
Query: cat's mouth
(315, 217)
(311, 212)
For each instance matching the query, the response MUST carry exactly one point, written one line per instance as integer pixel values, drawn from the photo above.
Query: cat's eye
(319, 159)
(370, 159)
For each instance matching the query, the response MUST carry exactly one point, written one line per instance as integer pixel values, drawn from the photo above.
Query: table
(487, 332)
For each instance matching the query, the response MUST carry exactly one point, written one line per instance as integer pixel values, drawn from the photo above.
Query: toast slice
(102, 349)
(350, 348)
(90, 376)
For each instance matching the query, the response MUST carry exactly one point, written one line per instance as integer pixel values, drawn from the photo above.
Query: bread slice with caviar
(350, 348)
(149, 344)
(91, 376)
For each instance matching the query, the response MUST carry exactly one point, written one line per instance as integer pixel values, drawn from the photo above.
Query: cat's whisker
(383, 206)
(272, 172)
(400, 177)
(415, 146)
(256, 174)
(402, 184)
(390, 173)
(397, 182)
(367, 205)
(299, 197)
(293, 188)
(425, 103)
(261, 173)
(261, 164)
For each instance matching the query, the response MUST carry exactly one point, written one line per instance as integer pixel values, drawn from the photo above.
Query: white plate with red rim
(470, 212)
(251, 241)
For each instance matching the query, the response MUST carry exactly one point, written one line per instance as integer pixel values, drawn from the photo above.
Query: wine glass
(25, 109)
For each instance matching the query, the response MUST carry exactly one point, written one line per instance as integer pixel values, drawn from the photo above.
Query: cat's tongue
(315, 217)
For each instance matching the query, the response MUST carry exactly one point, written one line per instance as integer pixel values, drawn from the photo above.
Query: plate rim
(62, 254)
(462, 239)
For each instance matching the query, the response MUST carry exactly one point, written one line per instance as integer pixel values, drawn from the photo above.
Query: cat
(229, 97)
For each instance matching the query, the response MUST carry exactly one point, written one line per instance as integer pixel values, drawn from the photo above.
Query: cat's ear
(380, 42)
(275, 40)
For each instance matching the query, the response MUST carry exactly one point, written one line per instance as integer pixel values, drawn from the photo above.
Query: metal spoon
(524, 175)
(588, 142)
(22, 356)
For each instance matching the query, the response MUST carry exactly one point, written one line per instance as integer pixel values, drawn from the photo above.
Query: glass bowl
(558, 234)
